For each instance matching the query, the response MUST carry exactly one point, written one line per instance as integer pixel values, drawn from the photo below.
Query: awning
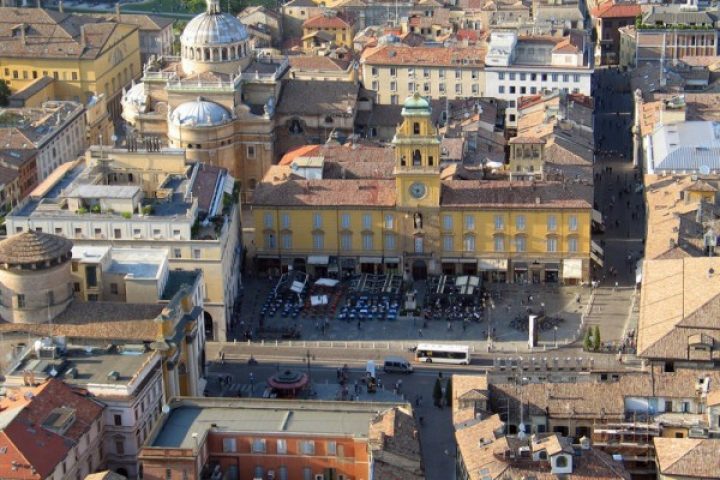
(552, 267)
(318, 260)
(597, 259)
(572, 268)
(459, 260)
(327, 282)
(519, 266)
(375, 260)
(595, 247)
(493, 264)
(392, 259)
(597, 217)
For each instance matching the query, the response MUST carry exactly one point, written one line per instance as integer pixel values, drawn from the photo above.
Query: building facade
(395, 72)
(608, 19)
(397, 214)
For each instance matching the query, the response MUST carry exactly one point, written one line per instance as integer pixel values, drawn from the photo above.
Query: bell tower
(417, 156)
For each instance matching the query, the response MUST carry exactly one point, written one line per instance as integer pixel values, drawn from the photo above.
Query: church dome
(213, 28)
(36, 249)
(136, 98)
(416, 104)
(200, 113)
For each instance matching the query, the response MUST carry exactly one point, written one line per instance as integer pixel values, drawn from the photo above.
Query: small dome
(136, 98)
(30, 248)
(416, 104)
(200, 113)
(213, 28)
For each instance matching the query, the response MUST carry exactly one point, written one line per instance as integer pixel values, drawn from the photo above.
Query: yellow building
(326, 29)
(371, 209)
(86, 55)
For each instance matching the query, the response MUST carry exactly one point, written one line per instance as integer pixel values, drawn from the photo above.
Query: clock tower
(417, 156)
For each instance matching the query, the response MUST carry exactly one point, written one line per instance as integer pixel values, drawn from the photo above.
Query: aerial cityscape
(359, 240)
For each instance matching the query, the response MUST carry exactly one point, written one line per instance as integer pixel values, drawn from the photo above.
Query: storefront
(520, 272)
(493, 270)
(371, 265)
(552, 272)
(392, 265)
(459, 266)
(572, 271)
(347, 267)
(318, 265)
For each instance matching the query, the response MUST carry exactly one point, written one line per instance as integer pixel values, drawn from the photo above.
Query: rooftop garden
(663, 26)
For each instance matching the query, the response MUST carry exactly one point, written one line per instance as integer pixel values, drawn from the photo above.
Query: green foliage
(596, 338)
(82, 211)
(448, 392)
(127, 215)
(587, 341)
(437, 392)
(4, 93)
(95, 209)
(148, 210)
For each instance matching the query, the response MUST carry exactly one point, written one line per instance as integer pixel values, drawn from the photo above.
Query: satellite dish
(166, 409)
(704, 170)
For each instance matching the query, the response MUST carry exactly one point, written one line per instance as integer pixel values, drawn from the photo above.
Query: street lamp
(555, 329)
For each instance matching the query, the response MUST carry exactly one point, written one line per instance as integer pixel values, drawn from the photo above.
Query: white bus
(436, 353)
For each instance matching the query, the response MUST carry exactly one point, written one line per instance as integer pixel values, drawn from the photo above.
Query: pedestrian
(417, 400)
(449, 326)
(420, 333)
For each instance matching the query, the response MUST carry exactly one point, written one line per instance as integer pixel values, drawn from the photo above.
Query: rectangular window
(285, 220)
(411, 86)
(346, 241)
(499, 222)
(307, 473)
(573, 223)
(441, 73)
(389, 241)
(447, 221)
(393, 86)
(523, 77)
(374, 71)
(469, 243)
(229, 445)
(117, 419)
(317, 220)
(307, 447)
(251, 151)
(552, 223)
(552, 245)
(332, 448)
(566, 78)
(499, 243)
(389, 221)
(520, 222)
(318, 241)
(269, 241)
(268, 221)
(411, 72)
(469, 222)
(572, 245)
(375, 85)
(393, 72)
(119, 446)
(458, 88)
(458, 74)
(114, 288)
(576, 78)
(287, 241)
(345, 220)
(74, 76)
(367, 240)
(512, 88)
(554, 77)
(512, 76)
(367, 221)
(196, 253)
(447, 242)
(281, 446)
(177, 253)
(258, 445)
(501, 89)
(475, 89)
(426, 72)
(91, 276)
(441, 87)
(501, 75)
(519, 243)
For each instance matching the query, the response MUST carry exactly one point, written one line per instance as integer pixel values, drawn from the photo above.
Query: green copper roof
(416, 105)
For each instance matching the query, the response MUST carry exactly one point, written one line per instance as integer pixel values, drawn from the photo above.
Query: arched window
(417, 158)
(561, 461)
(224, 53)
(403, 161)
(416, 128)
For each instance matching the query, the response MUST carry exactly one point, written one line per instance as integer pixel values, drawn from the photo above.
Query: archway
(209, 327)
(419, 270)
(417, 158)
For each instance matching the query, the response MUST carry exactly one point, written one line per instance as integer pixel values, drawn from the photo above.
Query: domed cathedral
(216, 100)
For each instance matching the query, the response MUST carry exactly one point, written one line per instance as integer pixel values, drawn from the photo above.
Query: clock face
(418, 190)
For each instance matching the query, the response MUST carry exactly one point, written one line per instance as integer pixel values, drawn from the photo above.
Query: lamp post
(555, 329)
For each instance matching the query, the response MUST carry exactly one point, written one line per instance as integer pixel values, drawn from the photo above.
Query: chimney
(61, 7)
(585, 443)
(83, 43)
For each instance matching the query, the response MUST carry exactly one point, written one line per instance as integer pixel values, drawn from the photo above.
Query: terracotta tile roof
(616, 10)
(506, 194)
(100, 320)
(435, 56)
(305, 150)
(461, 385)
(673, 308)
(688, 457)
(52, 34)
(713, 398)
(105, 475)
(393, 439)
(558, 155)
(32, 247)
(317, 97)
(317, 63)
(526, 140)
(326, 193)
(326, 21)
(23, 412)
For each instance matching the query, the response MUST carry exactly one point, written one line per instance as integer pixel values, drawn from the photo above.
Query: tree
(587, 342)
(437, 393)
(596, 338)
(448, 392)
(4, 93)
